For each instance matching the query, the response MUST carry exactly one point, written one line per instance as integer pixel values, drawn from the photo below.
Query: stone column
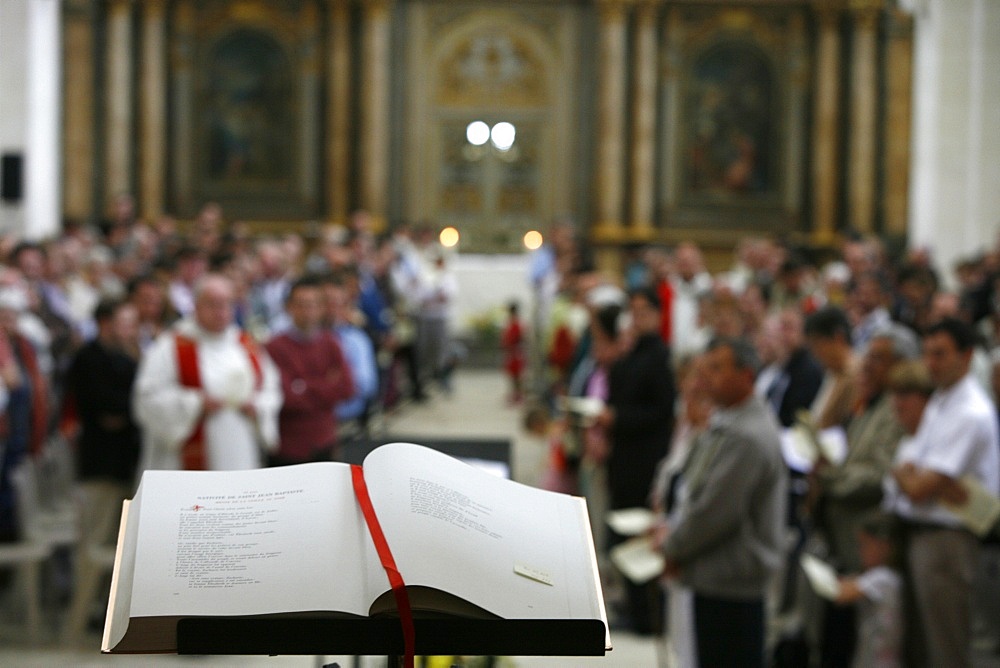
(864, 98)
(182, 124)
(311, 53)
(374, 93)
(78, 110)
(153, 119)
(672, 39)
(899, 90)
(611, 119)
(338, 122)
(825, 161)
(118, 117)
(796, 113)
(643, 121)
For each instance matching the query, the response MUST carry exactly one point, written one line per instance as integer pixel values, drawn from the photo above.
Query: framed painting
(735, 99)
(246, 99)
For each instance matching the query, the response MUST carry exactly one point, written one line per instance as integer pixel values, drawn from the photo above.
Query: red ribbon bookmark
(388, 563)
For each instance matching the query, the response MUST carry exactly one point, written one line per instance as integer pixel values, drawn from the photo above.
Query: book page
(798, 449)
(638, 559)
(980, 512)
(821, 576)
(802, 445)
(631, 521)
(513, 550)
(248, 542)
(833, 444)
(116, 621)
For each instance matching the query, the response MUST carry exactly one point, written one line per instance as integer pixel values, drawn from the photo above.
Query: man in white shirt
(206, 395)
(957, 439)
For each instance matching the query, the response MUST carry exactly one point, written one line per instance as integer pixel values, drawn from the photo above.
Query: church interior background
(642, 120)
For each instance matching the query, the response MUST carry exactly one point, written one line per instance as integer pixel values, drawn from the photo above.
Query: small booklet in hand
(981, 510)
(821, 575)
(631, 521)
(638, 559)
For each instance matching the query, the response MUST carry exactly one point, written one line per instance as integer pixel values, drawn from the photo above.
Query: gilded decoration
(494, 66)
(492, 70)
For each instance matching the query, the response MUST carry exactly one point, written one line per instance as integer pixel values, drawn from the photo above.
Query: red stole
(39, 394)
(193, 457)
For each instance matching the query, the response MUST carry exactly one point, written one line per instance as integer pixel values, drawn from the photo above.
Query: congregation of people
(706, 379)
(143, 346)
(140, 345)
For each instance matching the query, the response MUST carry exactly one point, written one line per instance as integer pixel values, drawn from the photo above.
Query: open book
(292, 541)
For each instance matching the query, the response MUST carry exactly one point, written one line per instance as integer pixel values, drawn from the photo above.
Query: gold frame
(778, 35)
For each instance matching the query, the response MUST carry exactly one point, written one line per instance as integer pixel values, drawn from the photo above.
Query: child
(878, 593)
(562, 463)
(512, 341)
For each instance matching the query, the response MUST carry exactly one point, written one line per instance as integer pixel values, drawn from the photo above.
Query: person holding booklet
(842, 495)
(692, 420)
(876, 589)
(828, 334)
(956, 438)
(726, 535)
(206, 395)
(639, 419)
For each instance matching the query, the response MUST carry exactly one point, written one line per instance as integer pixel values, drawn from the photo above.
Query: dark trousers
(729, 632)
(839, 635)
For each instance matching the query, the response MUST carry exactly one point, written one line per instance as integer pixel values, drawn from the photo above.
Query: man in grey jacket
(725, 538)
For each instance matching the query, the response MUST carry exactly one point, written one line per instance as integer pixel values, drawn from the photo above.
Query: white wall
(955, 189)
(13, 95)
(488, 283)
(30, 54)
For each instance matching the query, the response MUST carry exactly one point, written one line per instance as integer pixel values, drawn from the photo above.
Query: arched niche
(494, 67)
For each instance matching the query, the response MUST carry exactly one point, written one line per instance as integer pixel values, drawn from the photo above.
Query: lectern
(314, 636)
(311, 560)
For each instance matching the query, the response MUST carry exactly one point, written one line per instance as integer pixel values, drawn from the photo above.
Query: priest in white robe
(206, 395)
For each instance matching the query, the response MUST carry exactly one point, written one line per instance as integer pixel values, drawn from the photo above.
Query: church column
(864, 96)
(796, 112)
(78, 115)
(338, 110)
(611, 118)
(672, 39)
(182, 125)
(42, 207)
(374, 93)
(310, 96)
(825, 167)
(153, 120)
(644, 121)
(118, 115)
(899, 89)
